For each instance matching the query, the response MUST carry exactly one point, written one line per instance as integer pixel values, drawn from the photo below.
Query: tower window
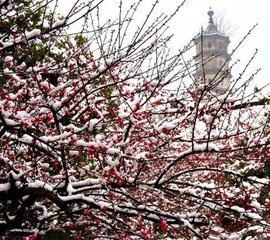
(220, 45)
(209, 45)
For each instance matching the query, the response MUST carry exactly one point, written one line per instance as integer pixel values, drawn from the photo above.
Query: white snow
(22, 114)
(8, 59)
(259, 180)
(58, 23)
(99, 99)
(115, 93)
(120, 209)
(7, 44)
(238, 209)
(45, 212)
(70, 189)
(123, 114)
(82, 59)
(94, 75)
(103, 204)
(40, 184)
(16, 176)
(46, 23)
(33, 33)
(153, 216)
(113, 151)
(154, 83)
(207, 185)
(203, 147)
(256, 204)
(255, 228)
(109, 61)
(168, 125)
(45, 138)
(187, 224)
(86, 182)
(74, 153)
(4, 187)
(208, 118)
(254, 216)
(172, 110)
(44, 110)
(10, 122)
(101, 69)
(86, 144)
(122, 54)
(141, 155)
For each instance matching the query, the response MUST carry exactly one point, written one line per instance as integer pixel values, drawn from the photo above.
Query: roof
(211, 30)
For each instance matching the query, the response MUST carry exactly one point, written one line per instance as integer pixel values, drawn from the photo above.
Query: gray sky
(239, 15)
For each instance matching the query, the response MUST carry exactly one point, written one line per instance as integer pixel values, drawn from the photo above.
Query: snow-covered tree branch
(93, 143)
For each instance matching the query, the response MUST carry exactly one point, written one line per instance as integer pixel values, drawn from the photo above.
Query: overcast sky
(239, 15)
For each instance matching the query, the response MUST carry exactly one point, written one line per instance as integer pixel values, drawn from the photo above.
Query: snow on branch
(102, 135)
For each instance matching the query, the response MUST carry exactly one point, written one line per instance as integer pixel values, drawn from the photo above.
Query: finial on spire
(211, 28)
(210, 14)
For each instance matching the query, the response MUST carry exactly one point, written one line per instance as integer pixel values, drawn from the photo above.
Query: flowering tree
(94, 144)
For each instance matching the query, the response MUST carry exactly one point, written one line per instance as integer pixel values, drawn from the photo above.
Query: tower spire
(211, 28)
(210, 14)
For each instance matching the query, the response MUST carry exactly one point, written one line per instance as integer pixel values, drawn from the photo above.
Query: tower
(212, 59)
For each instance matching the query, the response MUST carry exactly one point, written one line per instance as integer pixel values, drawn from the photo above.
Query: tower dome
(212, 59)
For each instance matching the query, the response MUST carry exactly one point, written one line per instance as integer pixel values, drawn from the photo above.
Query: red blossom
(80, 132)
(86, 212)
(163, 225)
(104, 208)
(166, 131)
